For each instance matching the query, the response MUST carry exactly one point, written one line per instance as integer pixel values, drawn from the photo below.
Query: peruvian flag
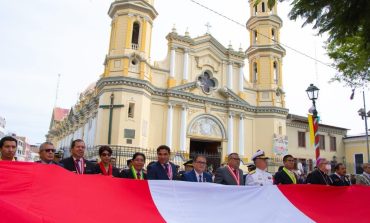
(31, 192)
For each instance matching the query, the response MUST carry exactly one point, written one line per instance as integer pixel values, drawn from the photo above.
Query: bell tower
(130, 40)
(265, 54)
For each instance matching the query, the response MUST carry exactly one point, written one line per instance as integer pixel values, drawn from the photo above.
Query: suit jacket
(362, 179)
(69, 164)
(338, 181)
(157, 172)
(52, 162)
(223, 176)
(318, 177)
(115, 170)
(128, 174)
(281, 177)
(192, 177)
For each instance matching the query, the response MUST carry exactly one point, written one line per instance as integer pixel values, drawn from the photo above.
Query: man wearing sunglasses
(47, 152)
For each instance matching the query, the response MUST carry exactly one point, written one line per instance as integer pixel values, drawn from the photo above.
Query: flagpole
(366, 131)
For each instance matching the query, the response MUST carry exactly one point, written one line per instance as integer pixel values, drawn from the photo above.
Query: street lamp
(362, 112)
(313, 95)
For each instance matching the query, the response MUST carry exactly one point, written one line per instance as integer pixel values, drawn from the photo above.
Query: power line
(240, 24)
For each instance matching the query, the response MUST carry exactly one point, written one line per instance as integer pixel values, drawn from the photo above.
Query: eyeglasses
(200, 162)
(106, 154)
(237, 159)
(49, 150)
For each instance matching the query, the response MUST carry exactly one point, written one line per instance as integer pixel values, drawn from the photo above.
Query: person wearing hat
(260, 176)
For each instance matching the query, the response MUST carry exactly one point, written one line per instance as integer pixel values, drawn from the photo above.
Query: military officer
(259, 176)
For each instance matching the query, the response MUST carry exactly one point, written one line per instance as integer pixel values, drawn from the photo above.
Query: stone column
(230, 133)
(230, 75)
(186, 66)
(241, 135)
(183, 129)
(169, 126)
(172, 62)
(241, 78)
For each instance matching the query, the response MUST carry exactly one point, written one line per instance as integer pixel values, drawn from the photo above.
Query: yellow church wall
(157, 124)
(179, 67)
(159, 78)
(176, 128)
(249, 137)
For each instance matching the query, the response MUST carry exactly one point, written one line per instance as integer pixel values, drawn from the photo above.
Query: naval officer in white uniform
(260, 176)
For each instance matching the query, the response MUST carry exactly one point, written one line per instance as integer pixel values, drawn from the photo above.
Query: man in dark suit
(8, 147)
(162, 169)
(320, 174)
(46, 152)
(230, 174)
(76, 163)
(286, 174)
(198, 174)
(339, 178)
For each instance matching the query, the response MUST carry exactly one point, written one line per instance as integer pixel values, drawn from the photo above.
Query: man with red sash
(260, 176)
(286, 175)
(8, 146)
(230, 174)
(76, 163)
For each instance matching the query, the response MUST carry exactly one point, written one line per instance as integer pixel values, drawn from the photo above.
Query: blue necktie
(200, 178)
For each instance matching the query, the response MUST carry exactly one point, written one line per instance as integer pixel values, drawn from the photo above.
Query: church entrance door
(211, 149)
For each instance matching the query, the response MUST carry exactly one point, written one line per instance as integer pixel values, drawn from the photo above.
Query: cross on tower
(208, 25)
(111, 106)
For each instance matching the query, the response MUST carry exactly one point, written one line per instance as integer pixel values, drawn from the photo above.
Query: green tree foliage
(347, 22)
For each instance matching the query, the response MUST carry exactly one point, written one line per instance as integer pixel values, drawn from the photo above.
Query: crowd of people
(196, 171)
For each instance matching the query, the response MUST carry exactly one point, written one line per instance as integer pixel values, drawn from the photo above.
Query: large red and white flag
(31, 192)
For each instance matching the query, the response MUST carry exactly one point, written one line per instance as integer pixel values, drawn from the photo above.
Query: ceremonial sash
(290, 175)
(236, 177)
(135, 175)
(104, 171)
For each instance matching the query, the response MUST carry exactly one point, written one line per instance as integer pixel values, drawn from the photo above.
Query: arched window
(255, 36)
(135, 36)
(263, 7)
(273, 34)
(276, 73)
(255, 10)
(255, 72)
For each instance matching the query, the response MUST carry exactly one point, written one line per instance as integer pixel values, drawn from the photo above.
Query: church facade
(196, 100)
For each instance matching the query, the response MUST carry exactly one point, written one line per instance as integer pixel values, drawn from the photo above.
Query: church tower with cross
(120, 112)
(265, 54)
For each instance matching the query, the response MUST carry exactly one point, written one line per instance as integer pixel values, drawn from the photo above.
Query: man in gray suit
(230, 174)
(364, 178)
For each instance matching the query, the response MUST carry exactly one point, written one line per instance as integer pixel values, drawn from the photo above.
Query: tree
(347, 23)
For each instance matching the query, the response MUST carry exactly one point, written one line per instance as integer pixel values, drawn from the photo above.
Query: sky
(41, 39)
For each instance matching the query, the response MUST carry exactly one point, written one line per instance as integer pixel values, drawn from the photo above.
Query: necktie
(234, 172)
(78, 166)
(166, 169)
(138, 174)
(200, 178)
